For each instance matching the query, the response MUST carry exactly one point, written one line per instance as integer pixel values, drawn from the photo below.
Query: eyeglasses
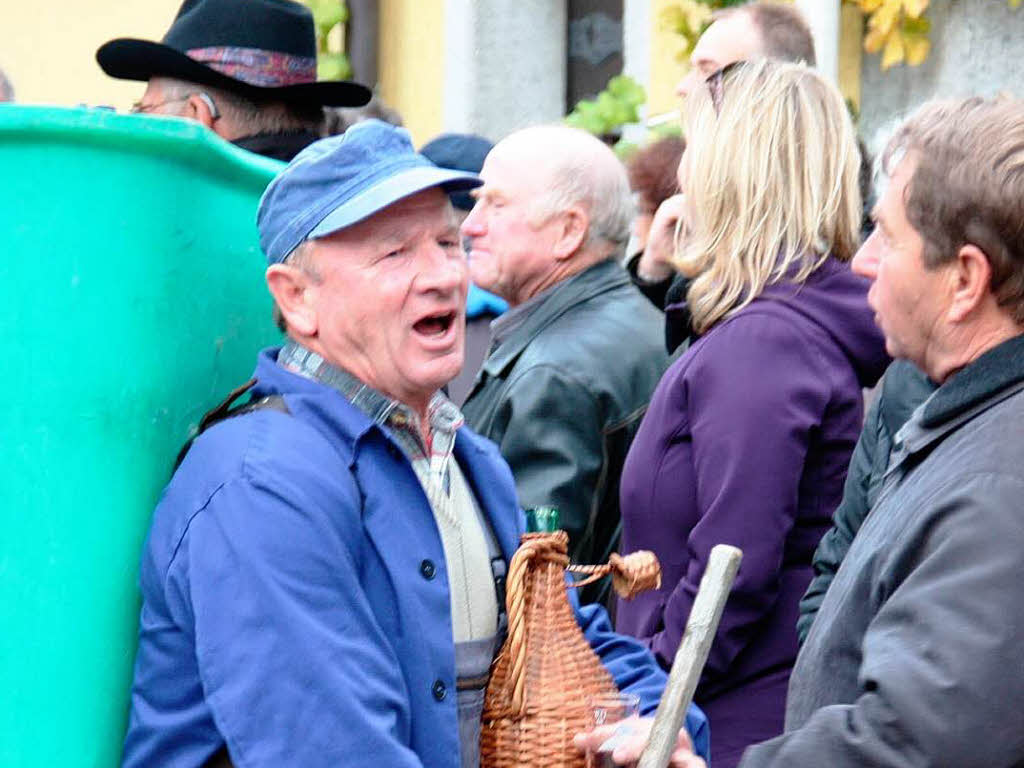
(716, 83)
(139, 108)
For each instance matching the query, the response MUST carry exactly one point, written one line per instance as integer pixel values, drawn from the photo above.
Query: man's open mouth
(435, 325)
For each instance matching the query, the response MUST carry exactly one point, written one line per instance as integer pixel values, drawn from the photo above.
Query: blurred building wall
(411, 63)
(48, 50)
(666, 69)
(977, 48)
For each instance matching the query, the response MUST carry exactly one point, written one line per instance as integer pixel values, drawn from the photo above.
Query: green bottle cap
(542, 520)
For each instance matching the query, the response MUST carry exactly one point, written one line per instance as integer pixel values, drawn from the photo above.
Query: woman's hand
(655, 263)
(627, 740)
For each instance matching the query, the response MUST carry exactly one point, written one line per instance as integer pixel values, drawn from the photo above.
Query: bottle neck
(542, 520)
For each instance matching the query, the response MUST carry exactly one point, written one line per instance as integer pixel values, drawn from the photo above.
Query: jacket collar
(304, 393)
(996, 375)
(279, 146)
(478, 458)
(598, 279)
(444, 416)
(995, 370)
(903, 389)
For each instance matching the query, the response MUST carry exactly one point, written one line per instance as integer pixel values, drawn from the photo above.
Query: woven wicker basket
(546, 672)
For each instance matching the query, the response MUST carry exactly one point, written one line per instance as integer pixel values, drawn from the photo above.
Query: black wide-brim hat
(264, 49)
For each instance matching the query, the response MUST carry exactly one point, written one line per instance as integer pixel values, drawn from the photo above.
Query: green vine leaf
(617, 105)
(333, 66)
(688, 19)
(328, 14)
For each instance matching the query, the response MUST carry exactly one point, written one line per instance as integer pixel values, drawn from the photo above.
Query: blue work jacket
(295, 596)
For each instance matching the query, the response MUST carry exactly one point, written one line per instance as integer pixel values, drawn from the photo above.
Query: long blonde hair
(771, 181)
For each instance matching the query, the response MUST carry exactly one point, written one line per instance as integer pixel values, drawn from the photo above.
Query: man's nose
(865, 261)
(441, 269)
(472, 225)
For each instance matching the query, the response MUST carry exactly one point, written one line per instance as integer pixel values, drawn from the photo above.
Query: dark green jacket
(903, 388)
(564, 395)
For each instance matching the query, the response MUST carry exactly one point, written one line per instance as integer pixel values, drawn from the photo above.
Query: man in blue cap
(321, 581)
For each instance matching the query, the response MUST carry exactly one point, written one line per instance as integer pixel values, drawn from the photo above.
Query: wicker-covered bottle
(546, 672)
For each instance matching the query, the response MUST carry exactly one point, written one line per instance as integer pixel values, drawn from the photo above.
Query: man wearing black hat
(246, 69)
(321, 581)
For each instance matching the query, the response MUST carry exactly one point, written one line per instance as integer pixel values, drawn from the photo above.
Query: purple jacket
(746, 442)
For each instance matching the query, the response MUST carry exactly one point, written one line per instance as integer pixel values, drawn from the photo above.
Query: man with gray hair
(575, 360)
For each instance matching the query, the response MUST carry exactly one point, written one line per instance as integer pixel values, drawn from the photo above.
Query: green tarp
(131, 300)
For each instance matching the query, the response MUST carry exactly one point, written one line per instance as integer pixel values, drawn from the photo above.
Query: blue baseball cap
(341, 180)
(459, 152)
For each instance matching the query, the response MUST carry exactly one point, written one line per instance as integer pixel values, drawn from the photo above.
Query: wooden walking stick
(693, 652)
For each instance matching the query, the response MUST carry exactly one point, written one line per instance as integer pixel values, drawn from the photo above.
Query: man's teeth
(434, 326)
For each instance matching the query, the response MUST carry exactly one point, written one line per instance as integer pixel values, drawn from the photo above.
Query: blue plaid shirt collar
(429, 457)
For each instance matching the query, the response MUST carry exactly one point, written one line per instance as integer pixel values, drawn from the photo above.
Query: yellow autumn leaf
(671, 19)
(869, 6)
(873, 41)
(698, 14)
(1015, 3)
(914, 8)
(893, 53)
(685, 17)
(917, 48)
(884, 19)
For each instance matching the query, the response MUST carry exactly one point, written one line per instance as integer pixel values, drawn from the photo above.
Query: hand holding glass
(609, 710)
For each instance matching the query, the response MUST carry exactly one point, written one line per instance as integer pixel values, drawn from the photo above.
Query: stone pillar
(361, 45)
(636, 55)
(823, 17)
(505, 65)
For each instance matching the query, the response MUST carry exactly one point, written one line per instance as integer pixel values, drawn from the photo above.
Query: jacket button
(440, 690)
(427, 570)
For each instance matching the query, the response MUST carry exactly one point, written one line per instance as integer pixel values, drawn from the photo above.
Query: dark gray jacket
(914, 658)
(903, 388)
(564, 396)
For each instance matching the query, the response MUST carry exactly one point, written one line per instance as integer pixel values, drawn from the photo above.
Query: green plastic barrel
(131, 300)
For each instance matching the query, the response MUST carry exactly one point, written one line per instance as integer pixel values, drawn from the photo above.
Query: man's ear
(972, 276)
(199, 109)
(574, 224)
(294, 290)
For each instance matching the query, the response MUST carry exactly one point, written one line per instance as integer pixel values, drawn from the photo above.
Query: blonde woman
(749, 433)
